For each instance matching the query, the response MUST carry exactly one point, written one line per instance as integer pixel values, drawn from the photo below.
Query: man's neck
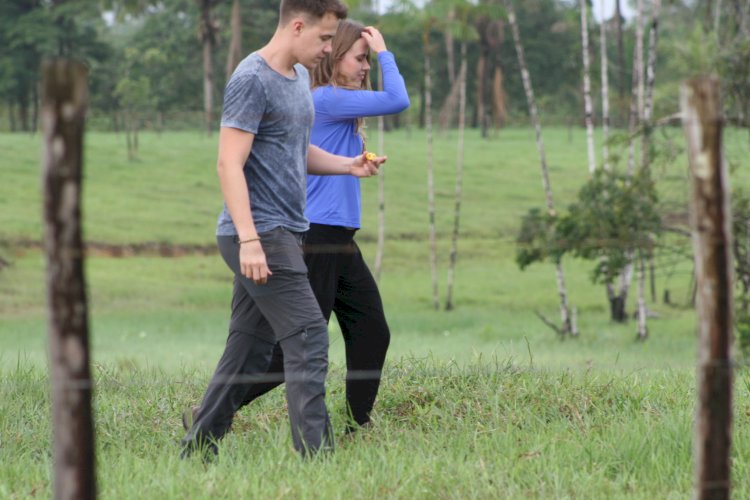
(278, 55)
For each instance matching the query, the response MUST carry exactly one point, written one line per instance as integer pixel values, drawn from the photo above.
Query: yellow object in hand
(370, 156)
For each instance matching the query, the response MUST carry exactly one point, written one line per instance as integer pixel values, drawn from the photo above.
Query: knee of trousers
(375, 335)
(307, 349)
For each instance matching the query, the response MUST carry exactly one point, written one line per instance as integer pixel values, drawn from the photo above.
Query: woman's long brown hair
(326, 72)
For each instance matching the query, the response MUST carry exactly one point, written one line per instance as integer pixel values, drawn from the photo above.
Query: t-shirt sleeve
(244, 103)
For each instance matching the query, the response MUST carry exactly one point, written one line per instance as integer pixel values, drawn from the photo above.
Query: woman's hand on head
(374, 39)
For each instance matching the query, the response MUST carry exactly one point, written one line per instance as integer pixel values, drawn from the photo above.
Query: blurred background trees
(195, 38)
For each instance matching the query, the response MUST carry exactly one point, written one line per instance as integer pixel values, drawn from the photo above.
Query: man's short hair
(314, 9)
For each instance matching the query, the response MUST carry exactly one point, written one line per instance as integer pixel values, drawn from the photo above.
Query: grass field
(479, 402)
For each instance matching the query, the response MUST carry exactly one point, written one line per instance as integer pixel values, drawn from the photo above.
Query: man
(264, 156)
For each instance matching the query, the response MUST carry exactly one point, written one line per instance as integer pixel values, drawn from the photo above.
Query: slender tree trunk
(422, 93)
(717, 18)
(711, 227)
(587, 106)
(617, 311)
(495, 37)
(129, 135)
(642, 328)
(498, 99)
(618, 298)
(430, 172)
(605, 88)
(567, 326)
(459, 178)
(480, 93)
(23, 110)
(11, 115)
(65, 98)
(208, 41)
(450, 57)
(620, 62)
(641, 19)
(477, 78)
(652, 276)
(636, 102)
(744, 18)
(649, 89)
(234, 56)
(648, 106)
(208, 86)
(35, 109)
(447, 112)
(380, 248)
(136, 128)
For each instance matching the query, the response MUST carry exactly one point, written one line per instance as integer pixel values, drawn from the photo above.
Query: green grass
(490, 430)
(479, 402)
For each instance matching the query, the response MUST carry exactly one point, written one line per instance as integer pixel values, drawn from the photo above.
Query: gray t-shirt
(279, 111)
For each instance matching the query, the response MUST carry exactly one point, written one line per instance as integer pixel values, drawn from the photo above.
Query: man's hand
(366, 164)
(253, 262)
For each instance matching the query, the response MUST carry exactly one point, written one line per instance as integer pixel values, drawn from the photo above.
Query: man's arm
(320, 162)
(234, 148)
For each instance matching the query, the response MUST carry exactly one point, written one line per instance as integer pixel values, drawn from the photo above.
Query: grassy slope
(550, 419)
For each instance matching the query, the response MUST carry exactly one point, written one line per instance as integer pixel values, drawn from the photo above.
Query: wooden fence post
(711, 228)
(63, 109)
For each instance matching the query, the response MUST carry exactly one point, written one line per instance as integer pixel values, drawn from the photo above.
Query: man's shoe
(189, 416)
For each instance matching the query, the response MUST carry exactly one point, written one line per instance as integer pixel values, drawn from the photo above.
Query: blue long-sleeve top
(335, 200)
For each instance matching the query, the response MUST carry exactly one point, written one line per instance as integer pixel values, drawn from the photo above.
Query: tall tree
(427, 49)
(636, 100)
(605, 88)
(567, 325)
(450, 57)
(459, 177)
(234, 55)
(649, 87)
(380, 247)
(588, 108)
(490, 101)
(620, 61)
(208, 32)
(495, 36)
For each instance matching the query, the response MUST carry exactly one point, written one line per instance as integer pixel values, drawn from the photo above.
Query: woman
(338, 274)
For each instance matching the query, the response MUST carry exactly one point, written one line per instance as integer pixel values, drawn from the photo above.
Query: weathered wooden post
(63, 109)
(711, 222)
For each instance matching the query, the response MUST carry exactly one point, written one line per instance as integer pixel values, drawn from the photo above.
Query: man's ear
(297, 24)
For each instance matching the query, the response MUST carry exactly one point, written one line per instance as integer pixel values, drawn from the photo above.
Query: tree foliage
(97, 32)
(614, 218)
